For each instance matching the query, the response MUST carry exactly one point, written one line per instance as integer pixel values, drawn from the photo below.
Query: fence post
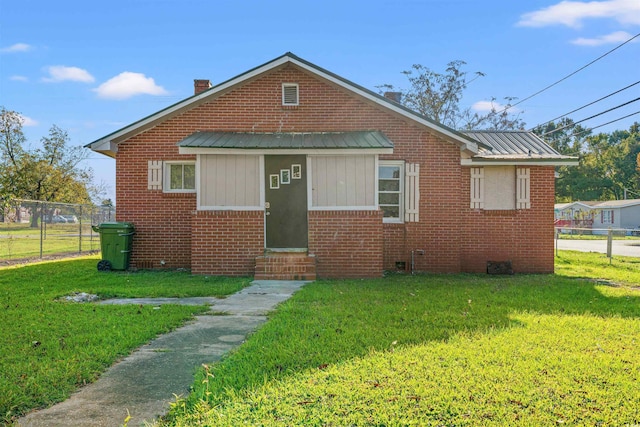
(42, 209)
(80, 231)
(609, 244)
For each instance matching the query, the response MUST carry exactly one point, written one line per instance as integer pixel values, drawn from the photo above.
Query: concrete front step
(285, 266)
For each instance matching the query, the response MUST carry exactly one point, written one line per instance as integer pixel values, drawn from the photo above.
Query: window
(290, 94)
(180, 177)
(390, 184)
(500, 188)
(606, 217)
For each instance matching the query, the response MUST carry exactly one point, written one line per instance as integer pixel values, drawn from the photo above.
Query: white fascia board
(106, 147)
(464, 143)
(283, 151)
(511, 162)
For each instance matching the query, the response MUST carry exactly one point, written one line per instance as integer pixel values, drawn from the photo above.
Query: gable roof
(516, 147)
(563, 206)
(598, 204)
(108, 144)
(617, 203)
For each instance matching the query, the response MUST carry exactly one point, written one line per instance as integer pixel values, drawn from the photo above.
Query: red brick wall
(346, 243)
(453, 237)
(162, 221)
(524, 236)
(226, 242)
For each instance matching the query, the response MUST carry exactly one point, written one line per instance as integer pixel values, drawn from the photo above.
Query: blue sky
(93, 67)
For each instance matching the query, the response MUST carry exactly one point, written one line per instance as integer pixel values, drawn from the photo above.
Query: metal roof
(513, 143)
(287, 140)
(617, 203)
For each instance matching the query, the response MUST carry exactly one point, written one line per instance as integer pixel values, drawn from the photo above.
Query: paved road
(620, 247)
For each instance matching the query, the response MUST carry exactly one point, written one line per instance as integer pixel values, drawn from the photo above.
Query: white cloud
(487, 106)
(28, 121)
(61, 73)
(613, 38)
(19, 78)
(18, 47)
(128, 84)
(573, 13)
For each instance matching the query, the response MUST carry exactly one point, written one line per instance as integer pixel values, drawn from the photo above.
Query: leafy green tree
(49, 173)
(438, 96)
(608, 161)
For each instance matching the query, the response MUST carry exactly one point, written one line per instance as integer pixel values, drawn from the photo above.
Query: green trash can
(115, 244)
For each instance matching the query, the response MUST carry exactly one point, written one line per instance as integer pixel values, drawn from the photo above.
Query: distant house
(574, 214)
(599, 216)
(617, 214)
(288, 170)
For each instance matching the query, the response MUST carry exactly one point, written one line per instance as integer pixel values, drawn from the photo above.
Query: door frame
(304, 203)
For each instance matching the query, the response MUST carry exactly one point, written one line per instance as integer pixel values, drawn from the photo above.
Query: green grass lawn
(405, 350)
(439, 350)
(19, 241)
(48, 347)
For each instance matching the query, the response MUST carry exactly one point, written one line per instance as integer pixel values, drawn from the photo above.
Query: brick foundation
(226, 242)
(347, 243)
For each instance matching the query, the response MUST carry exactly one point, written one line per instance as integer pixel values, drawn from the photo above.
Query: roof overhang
(108, 144)
(519, 161)
(355, 142)
(284, 151)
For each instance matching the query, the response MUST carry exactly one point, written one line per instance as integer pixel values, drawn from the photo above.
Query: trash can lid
(109, 225)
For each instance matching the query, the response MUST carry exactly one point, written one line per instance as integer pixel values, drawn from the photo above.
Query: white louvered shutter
(412, 192)
(477, 188)
(523, 188)
(155, 175)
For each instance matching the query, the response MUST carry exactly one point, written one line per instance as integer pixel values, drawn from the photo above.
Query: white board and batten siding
(500, 188)
(342, 182)
(230, 182)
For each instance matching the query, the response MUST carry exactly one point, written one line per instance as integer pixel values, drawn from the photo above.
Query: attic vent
(290, 94)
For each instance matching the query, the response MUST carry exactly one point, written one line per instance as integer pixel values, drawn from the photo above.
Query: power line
(572, 74)
(604, 124)
(591, 117)
(589, 104)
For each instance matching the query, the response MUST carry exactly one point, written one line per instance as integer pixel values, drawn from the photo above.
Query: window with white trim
(180, 177)
(390, 185)
(290, 94)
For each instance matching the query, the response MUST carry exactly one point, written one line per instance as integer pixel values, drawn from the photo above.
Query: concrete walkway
(145, 382)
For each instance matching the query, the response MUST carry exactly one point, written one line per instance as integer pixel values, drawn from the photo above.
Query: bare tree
(438, 96)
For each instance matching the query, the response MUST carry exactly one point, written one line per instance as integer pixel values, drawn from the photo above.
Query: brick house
(289, 170)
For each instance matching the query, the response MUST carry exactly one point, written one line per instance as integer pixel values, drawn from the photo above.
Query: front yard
(404, 350)
(49, 347)
(439, 350)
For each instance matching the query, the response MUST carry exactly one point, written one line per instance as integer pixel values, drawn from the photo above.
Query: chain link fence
(35, 230)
